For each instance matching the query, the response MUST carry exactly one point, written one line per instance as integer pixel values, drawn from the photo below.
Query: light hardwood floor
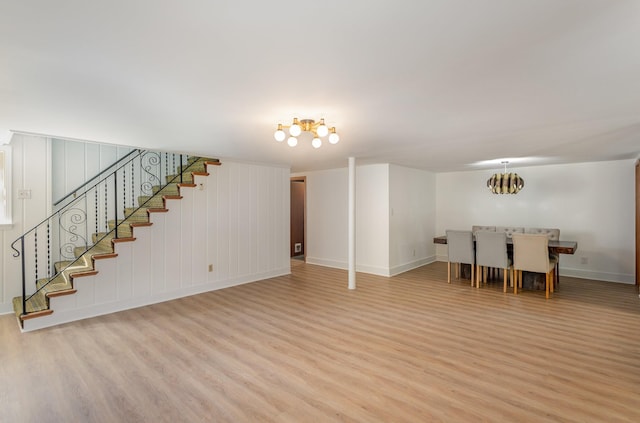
(303, 348)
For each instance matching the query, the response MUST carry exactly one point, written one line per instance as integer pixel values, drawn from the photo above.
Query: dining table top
(557, 247)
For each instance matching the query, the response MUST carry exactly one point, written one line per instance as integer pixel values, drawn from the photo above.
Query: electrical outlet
(584, 260)
(211, 268)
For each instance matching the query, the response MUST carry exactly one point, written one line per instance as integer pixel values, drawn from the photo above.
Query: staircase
(116, 193)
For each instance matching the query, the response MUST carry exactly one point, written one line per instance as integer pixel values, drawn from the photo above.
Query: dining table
(555, 247)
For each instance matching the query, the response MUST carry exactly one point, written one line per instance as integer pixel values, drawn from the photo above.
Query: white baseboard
(396, 270)
(373, 270)
(327, 263)
(598, 276)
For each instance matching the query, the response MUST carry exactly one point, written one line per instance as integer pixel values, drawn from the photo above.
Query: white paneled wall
(77, 162)
(31, 158)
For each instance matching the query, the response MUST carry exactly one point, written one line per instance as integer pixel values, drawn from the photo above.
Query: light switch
(24, 194)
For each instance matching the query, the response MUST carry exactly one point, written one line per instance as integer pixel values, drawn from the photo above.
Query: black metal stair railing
(92, 215)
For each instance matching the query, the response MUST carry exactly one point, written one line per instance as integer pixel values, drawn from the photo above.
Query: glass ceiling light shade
(297, 127)
(322, 129)
(505, 183)
(334, 137)
(280, 135)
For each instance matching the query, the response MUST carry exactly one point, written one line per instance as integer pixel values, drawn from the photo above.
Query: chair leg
(457, 270)
(517, 281)
(552, 277)
(504, 288)
(472, 274)
(478, 268)
(448, 272)
(547, 285)
(512, 275)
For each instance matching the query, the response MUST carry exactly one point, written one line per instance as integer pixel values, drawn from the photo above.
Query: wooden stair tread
(61, 293)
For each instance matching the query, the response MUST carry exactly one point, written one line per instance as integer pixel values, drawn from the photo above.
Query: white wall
(372, 219)
(30, 170)
(591, 203)
(327, 224)
(385, 244)
(412, 194)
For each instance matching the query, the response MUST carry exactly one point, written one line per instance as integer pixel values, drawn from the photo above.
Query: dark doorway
(298, 216)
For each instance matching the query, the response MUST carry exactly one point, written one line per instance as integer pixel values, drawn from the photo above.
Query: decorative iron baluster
(149, 161)
(69, 222)
(166, 165)
(24, 282)
(115, 205)
(173, 162)
(49, 272)
(181, 170)
(106, 205)
(35, 249)
(133, 187)
(124, 188)
(95, 192)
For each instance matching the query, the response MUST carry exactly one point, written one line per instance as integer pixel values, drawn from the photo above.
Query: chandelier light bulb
(322, 130)
(279, 135)
(295, 129)
(292, 141)
(333, 137)
(316, 142)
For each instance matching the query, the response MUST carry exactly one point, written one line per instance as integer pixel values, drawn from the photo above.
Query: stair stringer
(140, 274)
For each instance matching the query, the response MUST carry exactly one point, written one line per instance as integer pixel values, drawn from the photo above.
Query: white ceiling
(431, 84)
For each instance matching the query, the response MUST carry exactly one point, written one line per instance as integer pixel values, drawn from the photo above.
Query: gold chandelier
(505, 183)
(318, 129)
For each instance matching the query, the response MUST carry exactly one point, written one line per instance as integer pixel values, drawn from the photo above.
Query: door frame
(302, 179)
(638, 222)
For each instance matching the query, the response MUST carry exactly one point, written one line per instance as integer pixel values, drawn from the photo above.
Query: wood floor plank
(304, 348)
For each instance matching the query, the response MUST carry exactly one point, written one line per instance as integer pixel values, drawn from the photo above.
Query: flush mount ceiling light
(505, 183)
(318, 129)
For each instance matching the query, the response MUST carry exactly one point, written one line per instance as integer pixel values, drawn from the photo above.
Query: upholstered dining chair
(479, 228)
(461, 250)
(531, 254)
(554, 235)
(491, 252)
